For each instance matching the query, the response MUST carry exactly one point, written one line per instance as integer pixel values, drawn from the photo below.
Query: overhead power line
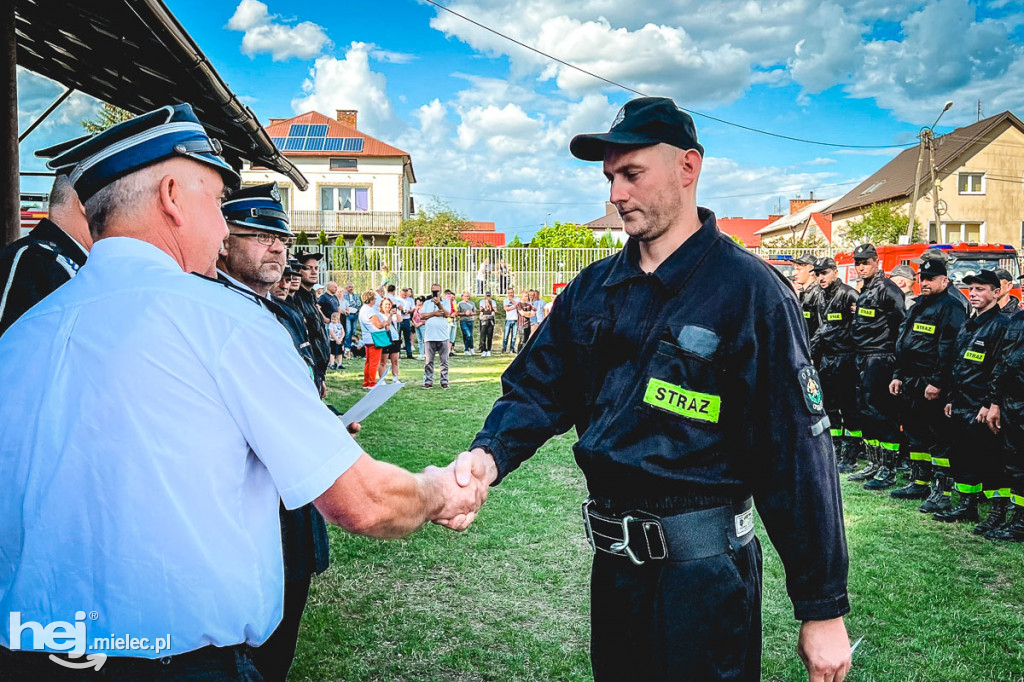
(641, 94)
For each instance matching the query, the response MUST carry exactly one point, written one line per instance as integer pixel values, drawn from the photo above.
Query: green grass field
(508, 598)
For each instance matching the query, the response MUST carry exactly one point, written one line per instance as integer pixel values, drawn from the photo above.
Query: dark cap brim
(591, 146)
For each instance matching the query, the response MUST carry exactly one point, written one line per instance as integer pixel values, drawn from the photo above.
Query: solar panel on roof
(298, 130)
(317, 131)
(352, 144)
(278, 141)
(333, 144)
(314, 144)
(293, 143)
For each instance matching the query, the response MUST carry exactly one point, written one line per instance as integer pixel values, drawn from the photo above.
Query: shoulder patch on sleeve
(810, 387)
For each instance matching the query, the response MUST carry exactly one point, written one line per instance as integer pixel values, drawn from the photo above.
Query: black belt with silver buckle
(643, 537)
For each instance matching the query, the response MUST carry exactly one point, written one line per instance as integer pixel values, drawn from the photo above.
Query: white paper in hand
(377, 396)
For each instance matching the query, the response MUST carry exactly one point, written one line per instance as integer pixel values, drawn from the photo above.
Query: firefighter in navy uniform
(691, 394)
(832, 344)
(34, 266)
(809, 293)
(925, 354)
(974, 459)
(1006, 420)
(880, 310)
(1008, 303)
(304, 302)
(253, 259)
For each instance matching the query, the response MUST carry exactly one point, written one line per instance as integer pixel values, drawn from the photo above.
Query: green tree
(795, 243)
(883, 223)
(409, 241)
(302, 239)
(359, 253)
(607, 240)
(435, 225)
(393, 240)
(516, 243)
(107, 117)
(738, 240)
(321, 239)
(564, 236)
(339, 254)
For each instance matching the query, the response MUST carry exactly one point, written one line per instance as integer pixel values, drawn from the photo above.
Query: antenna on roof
(979, 109)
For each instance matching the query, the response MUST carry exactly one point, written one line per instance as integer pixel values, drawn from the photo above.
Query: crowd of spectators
(382, 324)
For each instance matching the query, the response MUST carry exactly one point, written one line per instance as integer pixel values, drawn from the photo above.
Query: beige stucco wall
(1000, 209)
(385, 176)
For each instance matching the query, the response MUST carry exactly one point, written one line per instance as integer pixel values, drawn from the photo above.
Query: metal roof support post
(10, 187)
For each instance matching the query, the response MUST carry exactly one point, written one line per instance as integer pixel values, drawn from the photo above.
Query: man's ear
(690, 162)
(170, 190)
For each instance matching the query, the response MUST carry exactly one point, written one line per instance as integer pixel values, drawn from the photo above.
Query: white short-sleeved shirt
(142, 478)
(366, 313)
(511, 315)
(436, 328)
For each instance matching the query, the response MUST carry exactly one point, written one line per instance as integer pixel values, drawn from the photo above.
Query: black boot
(938, 501)
(996, 516)
(1012, 531)
(967, 510)
(850, 454)
(885, 477)
(917, 489)
(870, 469)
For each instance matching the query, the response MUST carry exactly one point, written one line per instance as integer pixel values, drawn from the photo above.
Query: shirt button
(166, 660)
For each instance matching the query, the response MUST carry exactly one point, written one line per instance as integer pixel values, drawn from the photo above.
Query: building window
(971, 183)
(344, 198)
(344, 164)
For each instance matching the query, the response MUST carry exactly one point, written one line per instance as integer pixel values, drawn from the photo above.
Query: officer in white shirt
(150, 428)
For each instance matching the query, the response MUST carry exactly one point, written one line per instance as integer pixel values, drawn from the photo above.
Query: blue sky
(488, 122)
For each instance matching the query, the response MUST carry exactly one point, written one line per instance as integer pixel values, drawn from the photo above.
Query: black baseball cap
(824, 264)
(932, 267)
(805, 259)
(1004, 274)
(303, 256)
(641, 122)
(983, 277)
(865, 251)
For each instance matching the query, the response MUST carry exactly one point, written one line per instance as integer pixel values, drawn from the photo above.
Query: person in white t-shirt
(511, 306)
(435, 314)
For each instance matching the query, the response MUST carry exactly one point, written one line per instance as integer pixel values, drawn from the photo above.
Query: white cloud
(391, 57)
(349, 83)
(264, 35)
(820, 161)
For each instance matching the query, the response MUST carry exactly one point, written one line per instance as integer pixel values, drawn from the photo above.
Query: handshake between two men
(382, 500)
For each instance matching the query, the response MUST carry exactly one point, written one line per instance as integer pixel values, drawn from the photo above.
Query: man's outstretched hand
(474, 470)
(824, 648)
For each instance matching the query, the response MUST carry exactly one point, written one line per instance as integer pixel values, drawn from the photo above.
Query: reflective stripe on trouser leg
(967, 488)
(921, 457)
(997, 492)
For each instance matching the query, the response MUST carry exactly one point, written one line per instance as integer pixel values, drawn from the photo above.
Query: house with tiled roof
(979, 175)
(609, 222)
(744, 229)
(357, 183)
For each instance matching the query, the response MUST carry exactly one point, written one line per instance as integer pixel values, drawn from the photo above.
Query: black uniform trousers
(839, 379)
(1012, 420)
(274, 657)
(879, 410)
(975, 454)
(924, 424)
(694, 620)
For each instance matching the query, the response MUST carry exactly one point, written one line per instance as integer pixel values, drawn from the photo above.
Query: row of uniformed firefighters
(933, 384)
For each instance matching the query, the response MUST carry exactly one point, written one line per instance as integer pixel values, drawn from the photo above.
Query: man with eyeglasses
(251, 261)
(305, 303)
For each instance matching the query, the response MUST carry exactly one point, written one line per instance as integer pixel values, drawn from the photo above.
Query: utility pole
(926, 137)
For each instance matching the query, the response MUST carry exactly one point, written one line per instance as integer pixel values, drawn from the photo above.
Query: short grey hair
(114, 200)
(62, 191)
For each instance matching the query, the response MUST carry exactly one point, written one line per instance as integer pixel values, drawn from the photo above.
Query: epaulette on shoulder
(252, 296)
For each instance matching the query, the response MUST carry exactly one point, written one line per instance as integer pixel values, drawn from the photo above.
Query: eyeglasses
(265, 238)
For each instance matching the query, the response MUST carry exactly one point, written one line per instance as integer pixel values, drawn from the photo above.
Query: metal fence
(459, 268)
(473, 269)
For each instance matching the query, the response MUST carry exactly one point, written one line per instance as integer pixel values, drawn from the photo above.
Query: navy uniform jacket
(927, 342)
(304, 541)
(1011, 306)
(835, 313)
(31, 268)
(1008, 374)
(302, 301)
(691, 383)
(810, 299)
(880, 310)
(978, 348)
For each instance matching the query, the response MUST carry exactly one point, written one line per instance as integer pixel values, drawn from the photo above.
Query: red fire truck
(964, 258)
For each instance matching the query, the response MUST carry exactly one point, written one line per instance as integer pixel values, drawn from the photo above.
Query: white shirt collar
(119, 247)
